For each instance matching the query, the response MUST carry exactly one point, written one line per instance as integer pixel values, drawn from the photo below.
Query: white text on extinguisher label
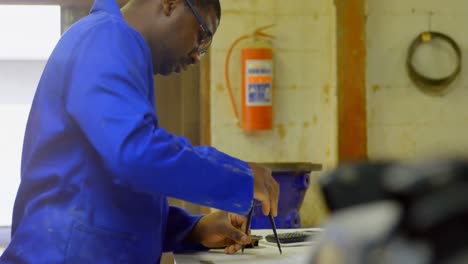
(258, 80)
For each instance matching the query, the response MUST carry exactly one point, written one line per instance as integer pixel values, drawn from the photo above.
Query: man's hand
(221, 230)
(266, 189)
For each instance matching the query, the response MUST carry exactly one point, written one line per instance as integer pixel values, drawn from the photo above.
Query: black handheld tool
(272, 222)
(247, 227)
(273, 226)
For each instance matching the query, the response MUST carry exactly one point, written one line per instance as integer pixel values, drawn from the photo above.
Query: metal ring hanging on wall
(428, 85)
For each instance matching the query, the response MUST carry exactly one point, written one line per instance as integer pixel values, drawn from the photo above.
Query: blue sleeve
(181, 224)
(110, 99)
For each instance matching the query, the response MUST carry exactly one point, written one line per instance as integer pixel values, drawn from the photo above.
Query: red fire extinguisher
(257, 81)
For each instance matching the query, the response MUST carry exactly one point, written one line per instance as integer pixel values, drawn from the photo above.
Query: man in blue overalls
(96, 166)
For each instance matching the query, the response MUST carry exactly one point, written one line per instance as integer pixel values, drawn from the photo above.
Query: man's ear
(169, 6)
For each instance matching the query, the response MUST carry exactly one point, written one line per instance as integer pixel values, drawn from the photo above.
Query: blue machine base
(293, 186)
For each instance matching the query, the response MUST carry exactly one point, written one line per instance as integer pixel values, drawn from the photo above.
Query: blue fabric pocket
(96, 245)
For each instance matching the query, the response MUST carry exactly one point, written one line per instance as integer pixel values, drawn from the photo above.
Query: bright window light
(11, 140)
(29, 32)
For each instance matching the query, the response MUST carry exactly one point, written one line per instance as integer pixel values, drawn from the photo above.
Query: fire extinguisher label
(259, 82)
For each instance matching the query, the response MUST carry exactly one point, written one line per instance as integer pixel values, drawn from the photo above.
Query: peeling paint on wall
(304, 68)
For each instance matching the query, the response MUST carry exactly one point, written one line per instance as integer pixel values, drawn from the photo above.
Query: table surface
(266, 253)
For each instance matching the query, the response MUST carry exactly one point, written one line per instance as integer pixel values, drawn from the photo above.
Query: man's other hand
(221, 230)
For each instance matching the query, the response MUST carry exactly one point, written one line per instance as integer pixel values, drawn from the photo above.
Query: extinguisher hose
(257, 33)
(226, 73)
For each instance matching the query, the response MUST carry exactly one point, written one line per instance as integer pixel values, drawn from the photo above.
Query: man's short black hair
(205, 4)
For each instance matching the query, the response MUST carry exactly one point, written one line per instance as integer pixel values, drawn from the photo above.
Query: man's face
(183, 39)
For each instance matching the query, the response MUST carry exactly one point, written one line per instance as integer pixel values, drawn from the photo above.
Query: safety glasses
(206, 36)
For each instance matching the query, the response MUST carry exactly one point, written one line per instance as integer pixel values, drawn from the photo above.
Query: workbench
(265, 253)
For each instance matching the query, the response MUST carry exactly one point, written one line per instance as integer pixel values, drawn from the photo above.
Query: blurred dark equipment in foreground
(396, 213)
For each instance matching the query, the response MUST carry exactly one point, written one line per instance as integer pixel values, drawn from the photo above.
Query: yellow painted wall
(404, 123)
(305, 86)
